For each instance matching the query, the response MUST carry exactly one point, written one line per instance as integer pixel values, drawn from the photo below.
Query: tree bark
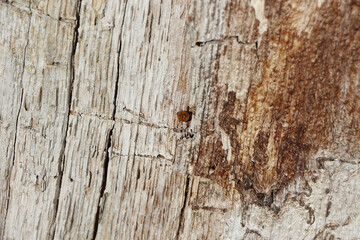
(92, 148)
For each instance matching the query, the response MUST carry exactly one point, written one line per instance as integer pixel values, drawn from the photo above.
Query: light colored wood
(91, 147)
(40, 121)
(14, 34)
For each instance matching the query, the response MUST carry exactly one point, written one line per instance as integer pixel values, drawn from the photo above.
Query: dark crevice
(182, 211)
(16, 122)
(226, 38)
(150, 31)
(108, 146)
(149, 23)
(161, 3)
(116, 83)
(202, 43)
(199, 44)
(103, 182)
(16, 125)
(70, 90)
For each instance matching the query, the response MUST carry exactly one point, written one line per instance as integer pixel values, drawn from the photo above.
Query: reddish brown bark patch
(260, 147)
(310, 87)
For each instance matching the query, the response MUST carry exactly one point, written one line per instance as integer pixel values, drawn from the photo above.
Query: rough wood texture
(90, 143)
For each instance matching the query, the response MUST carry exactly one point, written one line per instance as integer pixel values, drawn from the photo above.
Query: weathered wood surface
(91, 147)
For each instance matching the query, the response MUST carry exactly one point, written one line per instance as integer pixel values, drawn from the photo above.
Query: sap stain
(308, 88)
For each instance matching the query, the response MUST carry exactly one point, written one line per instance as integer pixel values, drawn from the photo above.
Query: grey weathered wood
(14, 34)
(40, 123)
(91, 147)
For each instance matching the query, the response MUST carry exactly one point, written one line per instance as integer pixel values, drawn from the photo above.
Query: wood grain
(92, 148)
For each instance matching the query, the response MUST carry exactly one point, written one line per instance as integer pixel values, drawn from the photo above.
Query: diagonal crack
(17, 120)
(62, 154)
(109, 139)
(103, 183)
(182, 211)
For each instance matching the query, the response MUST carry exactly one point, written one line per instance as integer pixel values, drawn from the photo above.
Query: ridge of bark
(100, 204)
(17, 120)
(71, 85)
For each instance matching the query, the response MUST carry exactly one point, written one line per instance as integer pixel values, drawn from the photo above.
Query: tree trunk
(92, 147)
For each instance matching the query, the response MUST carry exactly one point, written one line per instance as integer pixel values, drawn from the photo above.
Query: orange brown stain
(292, 111)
